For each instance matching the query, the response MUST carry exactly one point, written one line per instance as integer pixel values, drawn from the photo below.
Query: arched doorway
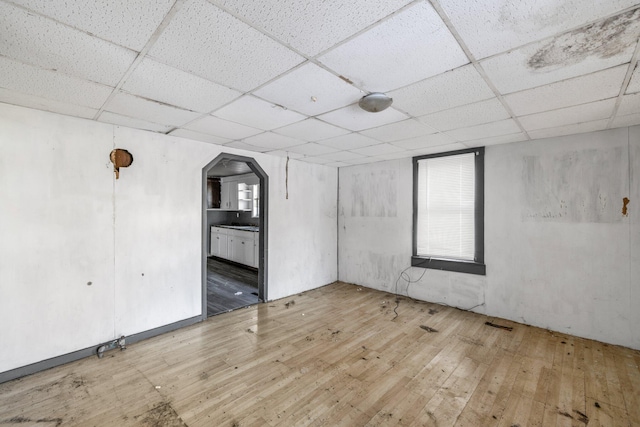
(225, 166)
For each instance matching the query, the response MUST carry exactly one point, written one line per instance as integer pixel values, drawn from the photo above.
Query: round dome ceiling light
(375, 102)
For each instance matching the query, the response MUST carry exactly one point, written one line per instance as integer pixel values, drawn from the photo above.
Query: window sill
(458, 266)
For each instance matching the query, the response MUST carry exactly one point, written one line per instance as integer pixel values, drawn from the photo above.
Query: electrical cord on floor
(407, 278)
(403, 275)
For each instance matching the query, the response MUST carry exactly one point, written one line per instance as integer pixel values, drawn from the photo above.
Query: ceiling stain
(603, 39)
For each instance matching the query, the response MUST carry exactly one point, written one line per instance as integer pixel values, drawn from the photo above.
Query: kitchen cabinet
(235, 245)
(219, 242)
(229, 195)
(241, 249)
(245, 196)
(256, 252)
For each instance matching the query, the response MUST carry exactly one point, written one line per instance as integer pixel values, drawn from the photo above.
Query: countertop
(253, 228)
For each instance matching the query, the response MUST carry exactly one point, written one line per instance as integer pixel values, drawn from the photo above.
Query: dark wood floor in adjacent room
(336, 356)
(224, 281)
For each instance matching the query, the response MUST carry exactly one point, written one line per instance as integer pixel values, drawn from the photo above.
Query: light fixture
(375, 102)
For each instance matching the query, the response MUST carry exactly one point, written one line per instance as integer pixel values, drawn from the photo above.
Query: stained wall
(85, 258)
(559, 252)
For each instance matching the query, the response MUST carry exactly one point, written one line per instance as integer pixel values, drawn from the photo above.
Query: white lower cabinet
(219, 242)
(235, 245)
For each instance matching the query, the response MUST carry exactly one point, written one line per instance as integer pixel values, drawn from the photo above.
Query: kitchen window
(448, 211)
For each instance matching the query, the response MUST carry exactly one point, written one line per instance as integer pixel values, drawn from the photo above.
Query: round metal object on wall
(375, 102)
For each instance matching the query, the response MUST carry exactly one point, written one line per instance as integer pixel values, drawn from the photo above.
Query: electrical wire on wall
(286, 178)
(407, 278)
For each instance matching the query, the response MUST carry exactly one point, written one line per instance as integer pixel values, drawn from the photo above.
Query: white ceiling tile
(378, 60)
(254, 112)
(395, 156)
(486, 130)
(580, 90)
(117, 119)
(50, 85)
(628, 120)
(570, 115)
(166, 84)
(189, 134)
(425, 141)
(310, 90)
(356, 119)
(451, 89)
(438, 149)
(223, 128)
(569, 129)
(127, 23)
(362, 161)
(312, 149)
(495, 140)
(311, 130)
(399, 130)
(36, 40)
(313, 26)
(630, 104)
(241, 145)
(634, 84)
(283, 153)
(17, 98)
(349, 142)
(477, 113)
(272, 141)
(489, 27)
(341, 156)
(377, 150)
(211, 43)
(151, 111)
(317, 160)
(570, 55)
(337, 164)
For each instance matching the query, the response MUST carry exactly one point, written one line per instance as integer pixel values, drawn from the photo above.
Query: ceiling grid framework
(284, 78)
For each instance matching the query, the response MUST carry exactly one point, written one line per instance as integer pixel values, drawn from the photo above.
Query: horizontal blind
(446, 207)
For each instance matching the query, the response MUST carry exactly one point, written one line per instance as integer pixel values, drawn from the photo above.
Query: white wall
(559, 252)
(65, 221)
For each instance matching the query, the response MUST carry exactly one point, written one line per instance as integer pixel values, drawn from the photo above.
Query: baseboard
(91, 351)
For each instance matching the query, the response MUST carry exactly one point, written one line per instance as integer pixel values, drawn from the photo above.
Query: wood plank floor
(335, 356)
(224, 280)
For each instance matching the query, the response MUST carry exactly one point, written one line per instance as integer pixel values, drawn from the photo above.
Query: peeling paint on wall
(602, 39)
(576, 186)
(374, 194)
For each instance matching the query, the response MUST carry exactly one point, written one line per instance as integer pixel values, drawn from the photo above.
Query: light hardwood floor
(336, 356)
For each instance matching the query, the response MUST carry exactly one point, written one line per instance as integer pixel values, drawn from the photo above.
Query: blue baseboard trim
(91, 351)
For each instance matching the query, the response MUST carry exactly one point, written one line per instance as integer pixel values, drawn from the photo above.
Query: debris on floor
(493, 325)
(428, 329)
(292, 302)
(238, 293)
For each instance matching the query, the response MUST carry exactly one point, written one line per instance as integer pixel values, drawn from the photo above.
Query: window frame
(477, 266)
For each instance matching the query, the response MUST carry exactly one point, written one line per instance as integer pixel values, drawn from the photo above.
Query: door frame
(264, 225)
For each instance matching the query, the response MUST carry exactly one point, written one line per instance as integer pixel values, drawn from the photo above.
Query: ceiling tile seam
(247, 93)
(56, 71)
(559, 33)
(49, 18)
(476, 64)
(257, 28)
(313, 59)
(152, 40)
(625, 83)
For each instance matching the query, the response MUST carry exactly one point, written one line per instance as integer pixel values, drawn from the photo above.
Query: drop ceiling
(284, 77)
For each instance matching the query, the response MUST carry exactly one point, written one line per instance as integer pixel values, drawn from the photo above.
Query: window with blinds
(448, 211)
(446, 194)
